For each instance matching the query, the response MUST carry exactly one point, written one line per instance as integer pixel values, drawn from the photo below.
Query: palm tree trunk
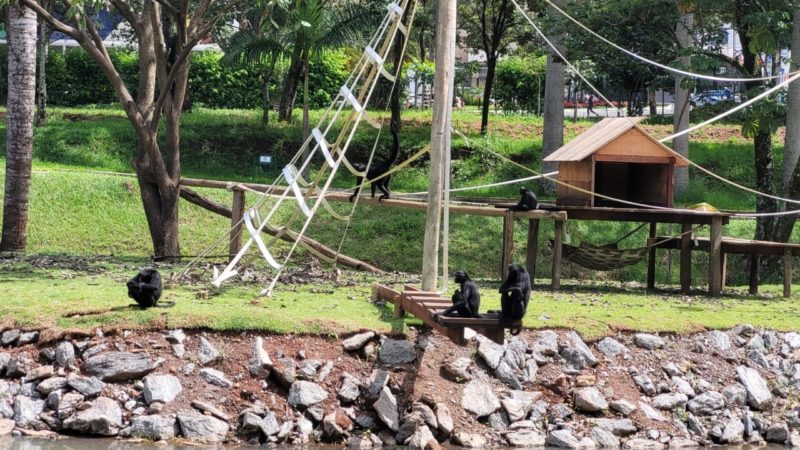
(19, 131)
(680, 115)
(491, 66)
(41, 74)
(553, 132)
(791, 148)
(306, 129)
(291, 84)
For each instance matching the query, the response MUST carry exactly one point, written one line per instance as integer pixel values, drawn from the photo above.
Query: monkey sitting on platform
(466, 299)
(515, 292)
(528, 202)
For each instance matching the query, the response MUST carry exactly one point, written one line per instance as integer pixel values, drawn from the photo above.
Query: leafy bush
(519, 82)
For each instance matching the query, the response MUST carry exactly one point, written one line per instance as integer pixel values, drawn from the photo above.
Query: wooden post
(533, 248)
(237, 212)
(440, 130)
(754, 274)
(508, 243)
(651, 259)
(723, 270)
(715, 258)
(787, 273)
(558, 227)
(686, 258)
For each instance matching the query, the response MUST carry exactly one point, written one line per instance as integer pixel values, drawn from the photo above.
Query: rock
(325, 371)
(498, 421)
(51, 384)
(672, 369)
(733, 432)
(642, 444)
(350, 389)
(469, 440)
(65, 354)
(645, 384)
(38, 373)
(582, 348)
(378, 379)
(457, 370)
(176, 336)
(490, 351)
(359, 442)
(94, 350)
(719, 340)
(18, 367)
(590, 400)
(792, 339)
(604, 439)
(27, 409)
(426, 413)
(478, 398)
(68, 403)
(154, 428)
(305, 393)
(744, 330)
(211, 409)
(423, 439)
(623, 407)
(444, 418)
(104, 418)
(525, 438)
(335, 425)
(651, 413)
(706, 403)
(118, 366)
(409, 426)
(357, 341)
(735, 394)
(88, 386)
(563, 439)
(618, 427)
(756, 343)
(669, 401)
(284, 371)
(683, 387)
(9, 337)
(611, 347)
(546, 343)
(386, 407)
(758, 394)
(508, 375)
(161, 388)
(678, 442)
(5, 358)
(260, 362)
(394, 351)
(215, 377)
(207, 353)
(778, 434)
(202, 428)
(27, 338)
(6, 427)
(648, 341)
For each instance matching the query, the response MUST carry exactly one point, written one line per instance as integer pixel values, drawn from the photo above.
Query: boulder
(9, 337)
(575, 341)
(386, 407)
(669, 401)
(479, 399)
(395, 351)
(490, 351)
(733, 433)
(735, 394)
(202, 428)
(683, 387)
(336, 424)
(119, 366)
(423, 439)
(563, 438)
(457, 370)
(27, 409)
(719, 340)
(611, 347)
(284, 371)
(68, 403)
(94, 350)
(645, 384)
(103, 418)
(305, 393)
(27, 338)
(176, 336)
(652, 413)
(642, 444)
(5, 358)
(648, 341)
(546, 343)
(623, 407)
(51, 384)
(525, 438)
(350, 389)
(444, 418)
(508, 375)
(590, 400)
(207, 353)
(426, 413)
(154, 428)
(215, 377)
(759, 396)
(65, 354)
(778, 434)
(357, 341)
(618, 427)
(6, 427)
(604, 439)
(161, 388)
(260, 362)
(88, 386)
(469, 440)
(38, 373)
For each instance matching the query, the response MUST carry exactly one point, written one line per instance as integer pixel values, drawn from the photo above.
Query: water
(7, 443)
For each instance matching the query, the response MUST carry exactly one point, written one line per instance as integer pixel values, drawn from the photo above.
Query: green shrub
(519, 82)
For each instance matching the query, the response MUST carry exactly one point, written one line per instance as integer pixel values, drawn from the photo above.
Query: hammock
(602, 257)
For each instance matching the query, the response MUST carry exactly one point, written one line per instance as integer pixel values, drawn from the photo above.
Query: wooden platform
(423, 305)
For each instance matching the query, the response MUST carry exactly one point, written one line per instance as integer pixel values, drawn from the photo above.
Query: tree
(680, 108)
(42, 48)
(791, 147)
(19, 130)
(489, 25)
(165, 33)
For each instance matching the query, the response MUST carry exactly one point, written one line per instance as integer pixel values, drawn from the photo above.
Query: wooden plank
(533, 249)
(651, 259)
(381, 292)
(237, 212)
(508, 243)
(754, 275)
(636, 159)
(724, 270)
(638, 214)
(555, 282)
(787, 274)
(715, 258)
(686, 258)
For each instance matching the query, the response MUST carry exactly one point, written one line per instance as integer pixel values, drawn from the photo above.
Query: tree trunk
(553, 132)
(306, 130)
(266, 105)
(764, 165)
(41, 75)
(680, 117)
(19, 128)
(491, 66)
(791, 148)
(651, 101)
(290, 85)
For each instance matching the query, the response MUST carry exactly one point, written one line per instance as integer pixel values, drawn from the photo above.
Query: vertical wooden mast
(440, 131)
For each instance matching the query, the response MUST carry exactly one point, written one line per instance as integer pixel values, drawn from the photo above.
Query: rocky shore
(543, 388)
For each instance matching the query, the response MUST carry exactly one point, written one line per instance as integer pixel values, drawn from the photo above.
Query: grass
(76, 211)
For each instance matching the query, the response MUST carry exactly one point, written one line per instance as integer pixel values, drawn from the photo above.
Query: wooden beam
(533, 248)
(686, 258)
(237, 212)
(715, 258)
(196, 199)
(787, 274)
(558, 228)
(508, 243)
(651, 259)
(644, 159)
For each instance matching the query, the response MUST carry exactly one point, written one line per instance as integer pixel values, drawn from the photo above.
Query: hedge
(73, 79)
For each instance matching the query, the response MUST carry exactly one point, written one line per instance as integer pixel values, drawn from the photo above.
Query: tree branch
(54, 23)
(128, 14)
(170, 8)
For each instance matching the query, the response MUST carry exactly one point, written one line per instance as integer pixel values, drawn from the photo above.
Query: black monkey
(145, 288)
(466, 300)
(515, 292)
(378, 168)
(528, 201)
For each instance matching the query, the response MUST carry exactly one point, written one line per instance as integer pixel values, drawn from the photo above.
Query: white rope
(658, 64)
(490, 185)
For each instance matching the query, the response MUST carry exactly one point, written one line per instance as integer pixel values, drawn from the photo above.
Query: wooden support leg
(686, 258)
(723, 270)
(508, 243)
(754, 275)
(715, 258)
(651, 260)
(787, 273)
(237, 212)
(558, 228)
(533, 248)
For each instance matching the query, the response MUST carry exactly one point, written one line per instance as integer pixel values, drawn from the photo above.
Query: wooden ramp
(423, 305)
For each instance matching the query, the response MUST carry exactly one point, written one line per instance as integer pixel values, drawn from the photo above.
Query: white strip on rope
(348, 95)
(287, 173)
(658, 64)
(395, 8)
(256, 235)
(378, 61)
(323, 146)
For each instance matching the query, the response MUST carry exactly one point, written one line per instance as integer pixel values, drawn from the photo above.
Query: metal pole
(443, 84)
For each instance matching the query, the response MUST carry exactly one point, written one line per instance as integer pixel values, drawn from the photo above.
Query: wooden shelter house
(619, 159)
